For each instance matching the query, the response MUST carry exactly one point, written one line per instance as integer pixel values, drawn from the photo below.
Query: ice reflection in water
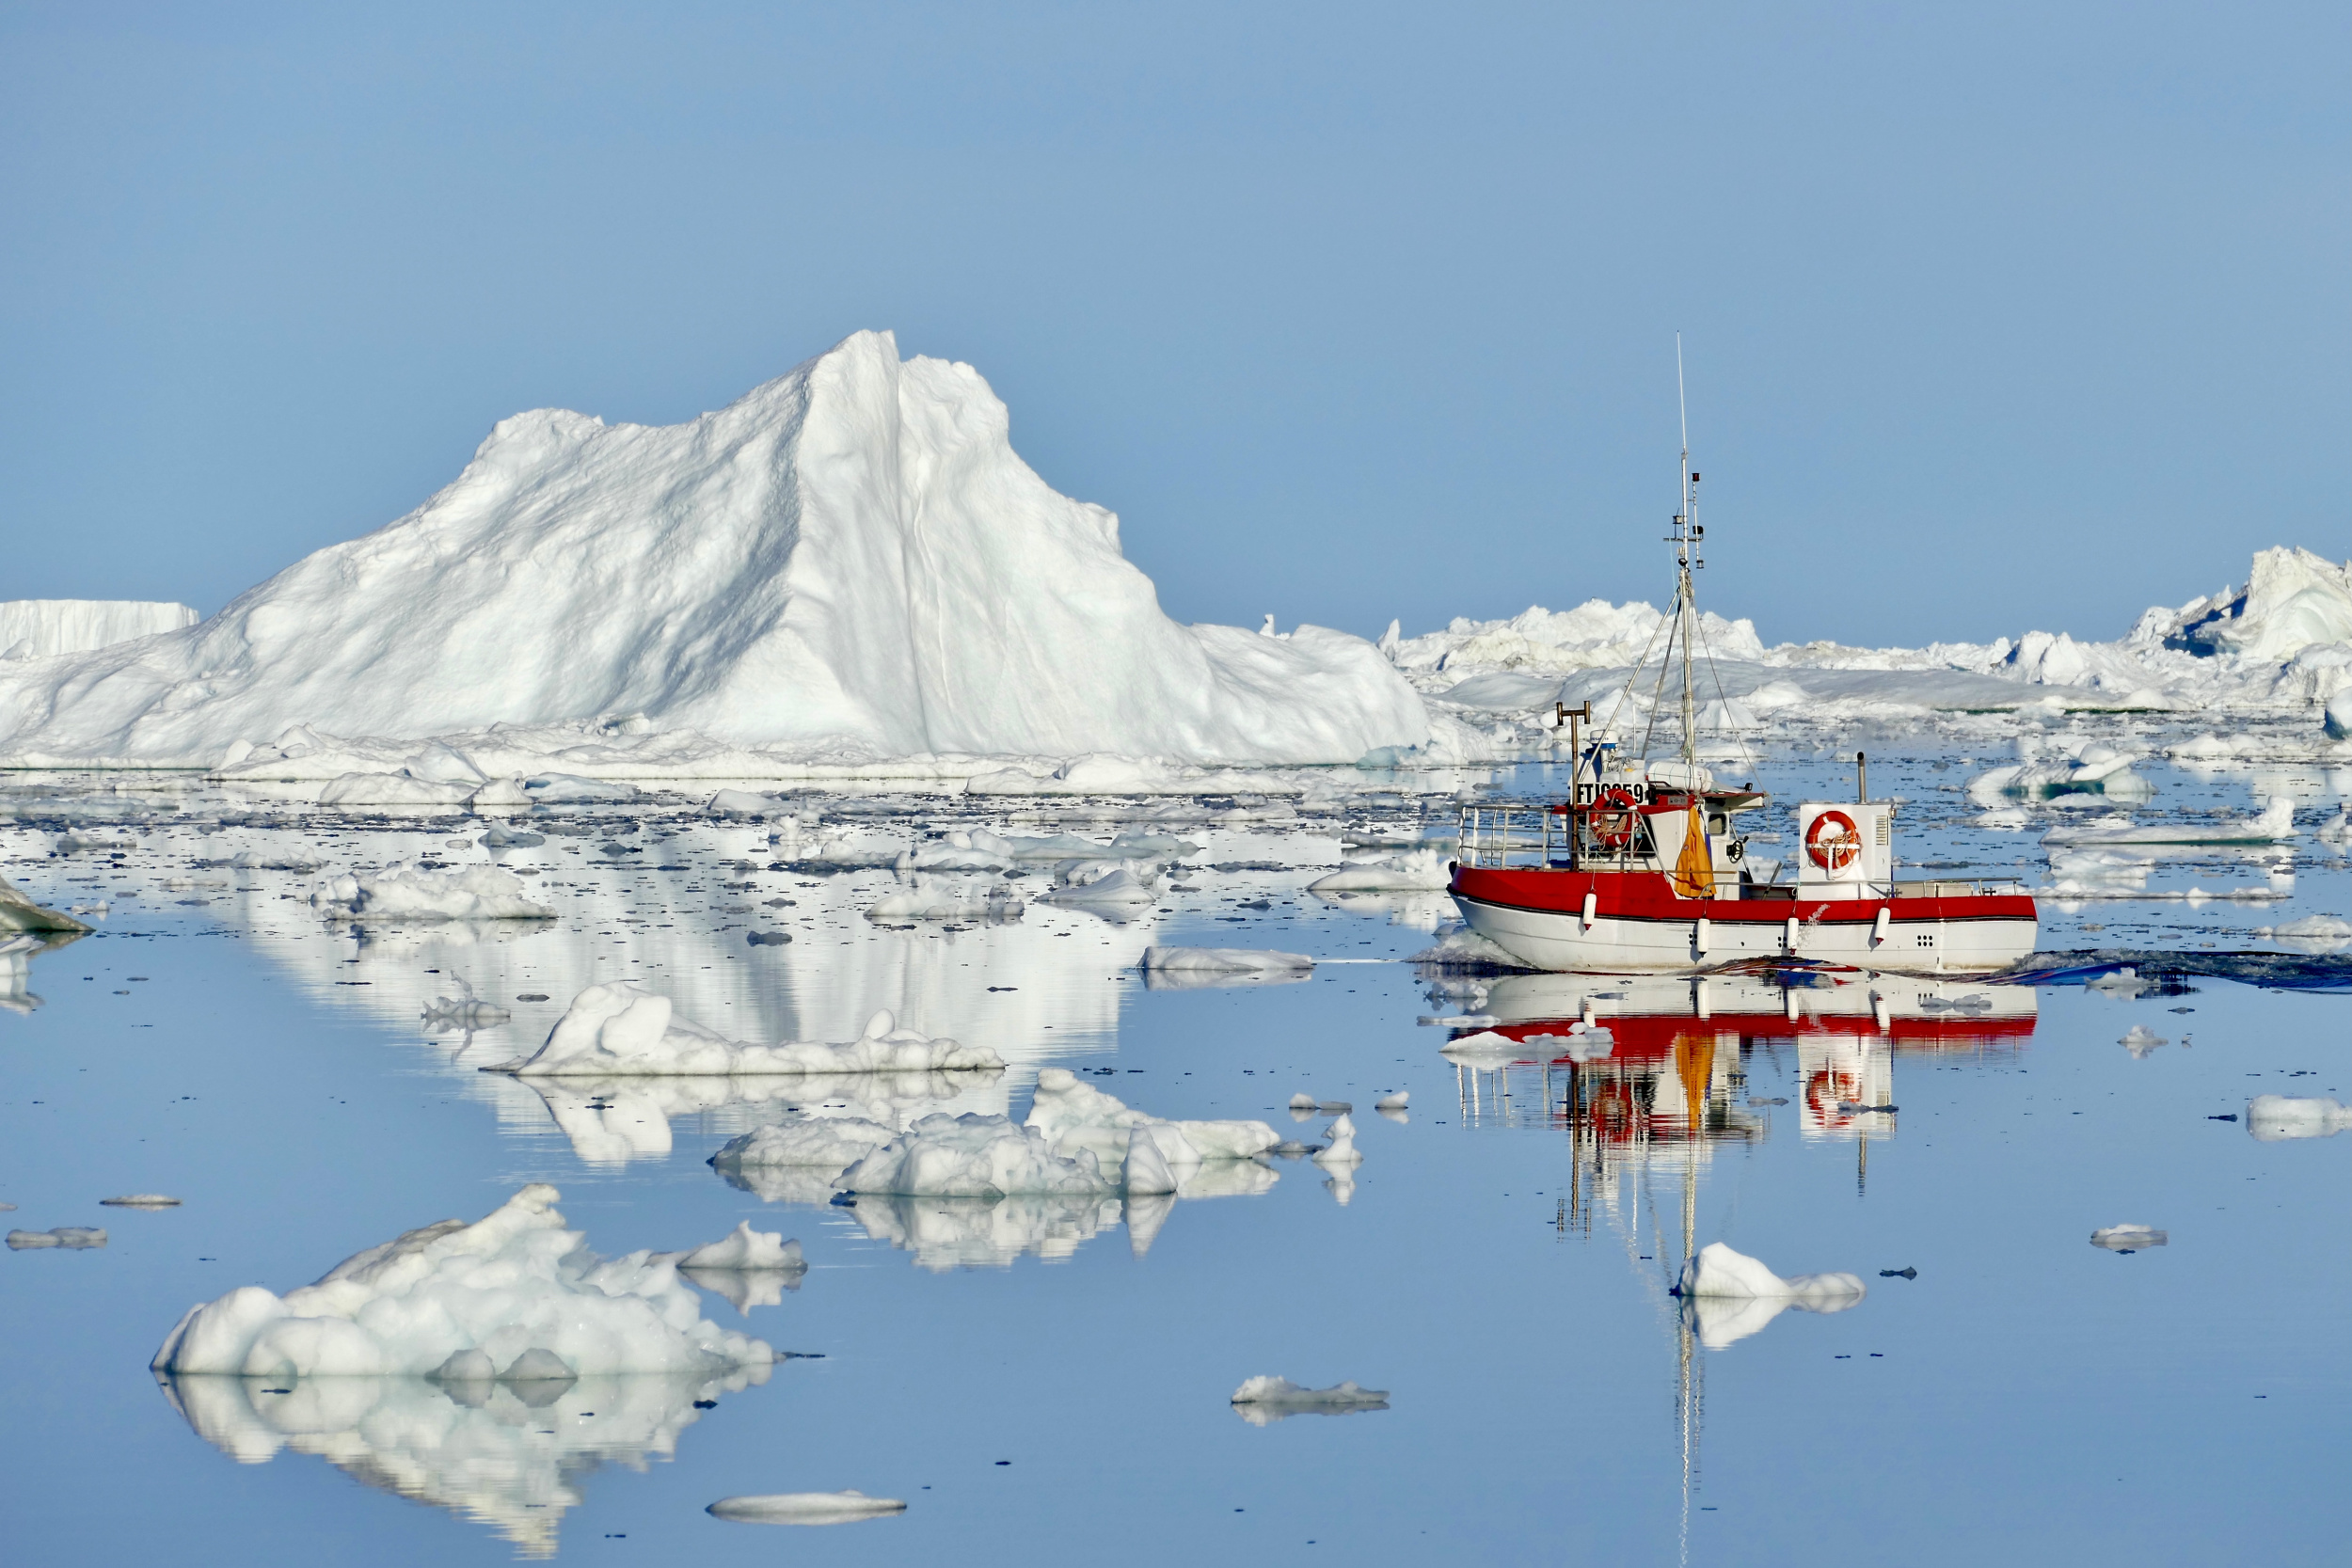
(614, 1120)
(513, 1461)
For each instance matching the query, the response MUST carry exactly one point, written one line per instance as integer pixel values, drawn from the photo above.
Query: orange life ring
(1613, 815)
(1832, 841)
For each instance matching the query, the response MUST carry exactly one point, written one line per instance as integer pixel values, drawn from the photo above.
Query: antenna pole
(1686, 536)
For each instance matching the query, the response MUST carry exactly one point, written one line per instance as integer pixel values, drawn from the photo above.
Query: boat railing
(1494, 837)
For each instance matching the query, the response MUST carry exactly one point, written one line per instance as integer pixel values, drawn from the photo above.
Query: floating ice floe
(1104, 883)
(1731, 1295)
(2140, 1039)
(515, 1295)
(1583, 1042)
(1485, 1049)
(927, 898)
(2128, 1238)
(1264, 1401)
(2082, 766)
(139, 1200)
(74, 1237)
(406, 892)
(2313, 933)
(2275, 825)
(20, 913)
(616, 1030)
(945, 1233)
(1420, 870)
(1074, 1115)
(805, 1508)
(830, 1144)
(975, 1156)
(2273, 1117)
(1339, 1151)
(1226, 963)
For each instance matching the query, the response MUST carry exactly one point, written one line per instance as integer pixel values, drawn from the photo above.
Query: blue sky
(1996, 317)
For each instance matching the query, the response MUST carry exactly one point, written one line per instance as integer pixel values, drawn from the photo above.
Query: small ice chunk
(805, 1508)
(1396, 1101)
(2275, 1116)
(745, 1250)
(1262, 1400)
(1304, 1102)
(139, 1200)
(1485, 1049)
(827, 1143)
(2127, 1238)
(2140, 1039)
(1730, 1295)
(537, 1365)
(1339, 1151)
(470, 1365)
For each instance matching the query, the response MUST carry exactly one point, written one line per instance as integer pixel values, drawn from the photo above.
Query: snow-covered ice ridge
(847, 564)
(2281, 642)
(41, 628)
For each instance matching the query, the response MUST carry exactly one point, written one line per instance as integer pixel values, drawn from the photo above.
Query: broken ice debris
(2127, 1238)
(2140, 1039)
(806, 1508)
(1262, 1400)
(139, 1200)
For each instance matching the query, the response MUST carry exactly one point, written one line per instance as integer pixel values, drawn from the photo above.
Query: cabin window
(1719, 823)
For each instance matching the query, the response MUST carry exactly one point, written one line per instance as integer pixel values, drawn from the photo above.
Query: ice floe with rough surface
(43, 628)
(1073, 1114)
(2275, 825)
(2313, 933)
(20, 913)
(1262, 1400)
(2128, 1238)
(415, 893)
(975, 1156)
(72, 1237)
(1731, 1295)
(516, 1296)
(1416, 870)
(616, 1030)
(805, 1508)
(832, 1143)
(2274, 1118)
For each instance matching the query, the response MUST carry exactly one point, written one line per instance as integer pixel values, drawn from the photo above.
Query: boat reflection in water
(1648, 1075)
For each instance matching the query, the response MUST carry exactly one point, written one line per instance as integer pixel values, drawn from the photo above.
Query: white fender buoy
(1700, 935)
(1884, 923)
(1790, 936)
(1592, 909)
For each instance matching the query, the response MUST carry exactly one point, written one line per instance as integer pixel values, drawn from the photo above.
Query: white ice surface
(2273, 1117)
(2128, 1238)
(976, 1157)
(847, 564)
(39, 629)
(1261, 1400)
(1073, 1114)
(1733, 1296)
(469, 1301)
(806, 1508)
(1224, 960)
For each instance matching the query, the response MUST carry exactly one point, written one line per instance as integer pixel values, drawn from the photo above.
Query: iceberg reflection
(486, 1452)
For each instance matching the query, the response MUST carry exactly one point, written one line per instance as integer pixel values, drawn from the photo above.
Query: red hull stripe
(1645, 1036)
(1648, 896)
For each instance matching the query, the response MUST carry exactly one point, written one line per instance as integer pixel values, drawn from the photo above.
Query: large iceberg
(847, 564)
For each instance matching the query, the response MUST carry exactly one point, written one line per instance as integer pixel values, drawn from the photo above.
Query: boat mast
(1687, 535)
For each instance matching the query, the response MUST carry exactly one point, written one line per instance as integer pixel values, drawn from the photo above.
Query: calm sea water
(1043, 1385)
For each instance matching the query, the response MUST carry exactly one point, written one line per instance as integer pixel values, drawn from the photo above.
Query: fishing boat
(1643, 867)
